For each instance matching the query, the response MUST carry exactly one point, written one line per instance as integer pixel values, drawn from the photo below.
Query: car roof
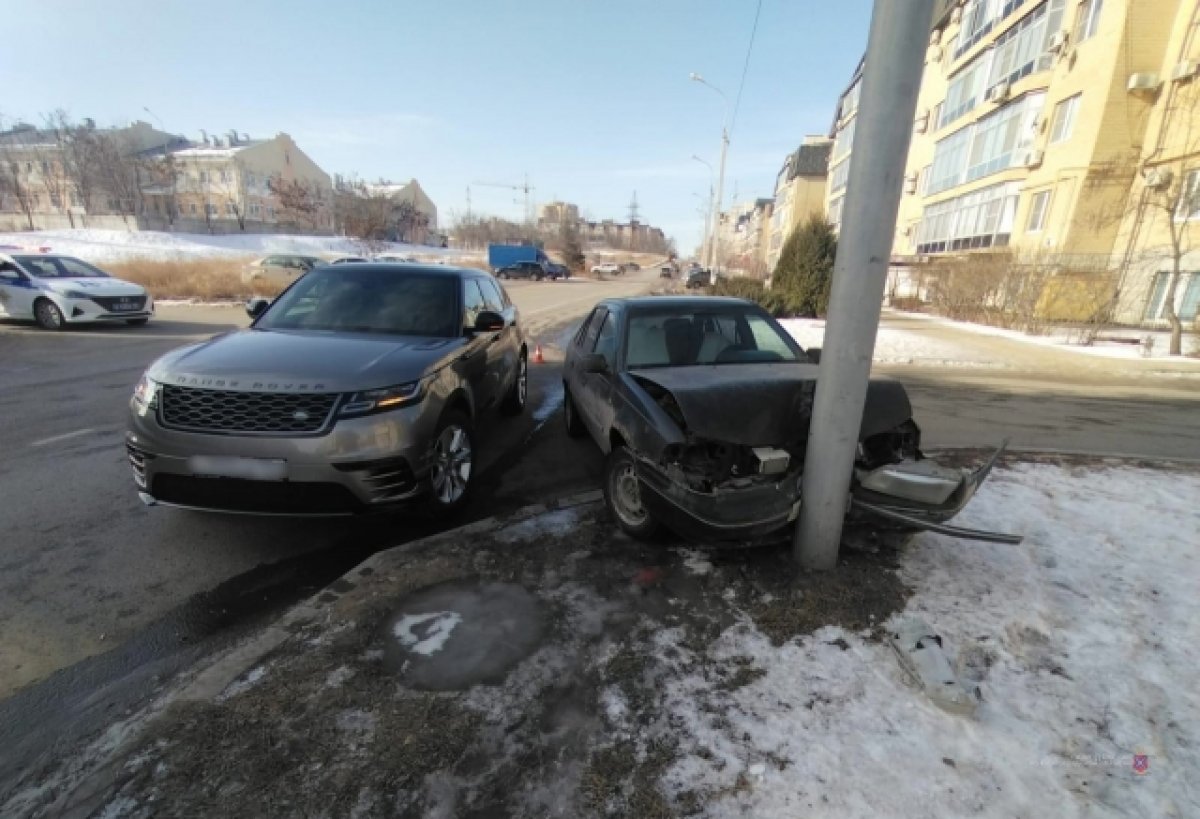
(678, 302)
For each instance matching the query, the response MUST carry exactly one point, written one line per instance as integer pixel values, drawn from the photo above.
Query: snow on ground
(1065, 338)
(1084, 642)
(896, 346)
(101, 246)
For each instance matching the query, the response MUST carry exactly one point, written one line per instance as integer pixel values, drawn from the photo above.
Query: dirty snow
(437, 626)
(695, 561)
(551, 523)
(101, 246)
(243, 684)
(1084, 642)
(897, 346)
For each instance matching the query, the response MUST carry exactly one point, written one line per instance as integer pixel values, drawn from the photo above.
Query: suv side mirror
(594, 363)
(488, 322)
(814, 354)
(256, 306)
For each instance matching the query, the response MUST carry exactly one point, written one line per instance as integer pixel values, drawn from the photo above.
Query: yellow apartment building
(800, 191)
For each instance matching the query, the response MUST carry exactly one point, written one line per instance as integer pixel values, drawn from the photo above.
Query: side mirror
(594, 363)
(814, 354)
(256, 306)
(488, 322)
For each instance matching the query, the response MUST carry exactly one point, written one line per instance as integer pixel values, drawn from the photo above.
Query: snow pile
(897, 346)
(1083, 640)
(101, 246)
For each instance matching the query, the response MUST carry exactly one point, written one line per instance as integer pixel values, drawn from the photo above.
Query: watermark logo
(1141, 764)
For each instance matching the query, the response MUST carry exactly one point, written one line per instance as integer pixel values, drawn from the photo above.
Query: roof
(215, 152)
(811, 160)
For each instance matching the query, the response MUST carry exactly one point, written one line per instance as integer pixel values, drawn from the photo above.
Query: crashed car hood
(766, 404)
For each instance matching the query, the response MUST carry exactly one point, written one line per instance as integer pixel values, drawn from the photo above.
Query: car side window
(491, 295)
(9, 271)
(606, 340)
(593, 330)
(581, 333)
(473, 302)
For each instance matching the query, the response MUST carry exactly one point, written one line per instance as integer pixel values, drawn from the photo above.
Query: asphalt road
(87, 571)
(85, 567)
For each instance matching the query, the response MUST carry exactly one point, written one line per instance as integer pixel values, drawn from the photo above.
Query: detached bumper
(725, 514)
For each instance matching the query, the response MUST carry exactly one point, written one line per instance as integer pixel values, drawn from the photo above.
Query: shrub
(802, 278)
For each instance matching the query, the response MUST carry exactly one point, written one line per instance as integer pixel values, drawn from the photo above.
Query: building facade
(554, 215)
(842, 135)
(800, 192)
(1036, 122)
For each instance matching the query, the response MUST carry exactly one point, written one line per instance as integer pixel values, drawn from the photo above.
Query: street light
(706, 256)
(715, 244)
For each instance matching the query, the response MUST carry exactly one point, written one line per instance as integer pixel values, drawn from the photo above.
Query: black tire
(503, 276)
(518, 393)
(48, 316)
(622, 495)
(575, 427)
(443, 500)
(136, 322)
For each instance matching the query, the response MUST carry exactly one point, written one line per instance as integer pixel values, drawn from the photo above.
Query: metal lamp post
(715, 244)
(707, 246)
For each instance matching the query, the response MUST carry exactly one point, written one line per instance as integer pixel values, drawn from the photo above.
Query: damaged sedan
(702, 407)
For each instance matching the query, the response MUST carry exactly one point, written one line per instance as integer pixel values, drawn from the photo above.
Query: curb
(1075, 453)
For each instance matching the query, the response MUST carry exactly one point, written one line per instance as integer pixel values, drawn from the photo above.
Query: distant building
(744, 234)
(633, 236)
(799, 193)
(423, 229)
(554, 214)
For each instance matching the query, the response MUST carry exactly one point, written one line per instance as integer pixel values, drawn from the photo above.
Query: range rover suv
(356, 390)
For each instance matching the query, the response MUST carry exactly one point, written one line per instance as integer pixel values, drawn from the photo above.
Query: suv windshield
(686, 338)
(368, 301)
(59, 267)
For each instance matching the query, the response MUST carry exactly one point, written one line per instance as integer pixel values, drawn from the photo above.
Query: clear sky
(591, 98)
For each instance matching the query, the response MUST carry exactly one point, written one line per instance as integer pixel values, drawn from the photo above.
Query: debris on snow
(437, 626)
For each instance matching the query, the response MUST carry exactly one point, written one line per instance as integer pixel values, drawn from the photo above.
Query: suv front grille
(109, 303)
(224, 411)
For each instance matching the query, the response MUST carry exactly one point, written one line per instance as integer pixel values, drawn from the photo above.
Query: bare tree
(80, 150)
(160, 174)
(298, 201)
(228, 189)
(14, 184)
(118, 172)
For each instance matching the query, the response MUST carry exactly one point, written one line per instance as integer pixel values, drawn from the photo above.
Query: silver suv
(357, 389)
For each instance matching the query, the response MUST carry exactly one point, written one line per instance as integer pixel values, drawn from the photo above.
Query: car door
(504, 351)
(475, 356)
(17, 292)
(595, 394)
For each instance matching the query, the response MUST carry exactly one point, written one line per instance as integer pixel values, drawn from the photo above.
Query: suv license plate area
(252, 469)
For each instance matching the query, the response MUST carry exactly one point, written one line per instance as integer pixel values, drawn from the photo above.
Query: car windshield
(692, 337)
(351, 300)
(59, 267)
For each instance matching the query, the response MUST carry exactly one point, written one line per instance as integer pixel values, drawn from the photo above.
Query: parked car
(666, 271)
(633, 267)
(280, 268)
(557, 271)
(702, 407)
(56, 291)
(697, 278)
(394, 258)
(358, 389)
(522, 270)
(349, 260)
(608, 268)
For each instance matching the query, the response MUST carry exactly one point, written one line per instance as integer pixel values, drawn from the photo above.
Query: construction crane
(526, 189)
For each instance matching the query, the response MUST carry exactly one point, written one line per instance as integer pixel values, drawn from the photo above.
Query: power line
(745, 66)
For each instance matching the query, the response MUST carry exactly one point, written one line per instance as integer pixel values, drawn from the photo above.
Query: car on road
(349, 260)
(666, 271)
(522, 270)
(557, 271)
(395, 258)
(697, 278)
(358, 389)
(282, 268)
(608, 268)
(633, 267)
(57, 291)
(702, 408)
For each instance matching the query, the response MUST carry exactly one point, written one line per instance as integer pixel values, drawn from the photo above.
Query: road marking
(54, 439)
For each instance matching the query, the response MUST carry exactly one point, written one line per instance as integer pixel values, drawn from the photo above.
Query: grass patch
(210, 279)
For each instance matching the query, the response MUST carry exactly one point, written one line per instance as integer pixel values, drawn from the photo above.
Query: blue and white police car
(56, 290)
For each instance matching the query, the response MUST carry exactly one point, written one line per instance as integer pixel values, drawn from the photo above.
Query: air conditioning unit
(921, 123)
(1157, 178)
(1146, 81)
(1058, 41)
(1184, 70)
(1032, 158)
(998, 93)
(910, 183)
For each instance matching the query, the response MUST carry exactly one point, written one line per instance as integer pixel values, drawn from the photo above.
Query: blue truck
(517, 261)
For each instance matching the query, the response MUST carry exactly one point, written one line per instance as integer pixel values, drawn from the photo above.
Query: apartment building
(800, 192)
(1032, 131)
(842, 136)
(744, 231)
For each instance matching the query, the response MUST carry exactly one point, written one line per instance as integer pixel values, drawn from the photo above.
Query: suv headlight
(145, 394)
(381, 400)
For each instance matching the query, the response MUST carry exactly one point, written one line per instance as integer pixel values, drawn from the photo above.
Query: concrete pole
(891, 78)
(716, 243)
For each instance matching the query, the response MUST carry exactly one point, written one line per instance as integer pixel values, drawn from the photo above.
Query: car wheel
(623, 495)
(453, 456)
(575, 427)
(537, 278)
(48, 316)
(136, 322)
(518, 394)
(503, 276)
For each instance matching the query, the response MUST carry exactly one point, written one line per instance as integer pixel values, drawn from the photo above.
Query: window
(581, 333)
(835, 211)
(1189, 198)
(978, 18)
(949, 161)
(492, 298)
(193, 209)
(839, 175)
(230, 209)
(203, 177)
(765, 338)
(593, 328)
(1188, 306)
(1088, 19)
(606, 341)
(1038, 206)
(473, 303)
(982, 218)
(935, 116)
(210, 209)
(964, 91)
(1064, 119)
(923, 180)
(1022, 49)
(719, 335)
(844, 141)
(990, 145)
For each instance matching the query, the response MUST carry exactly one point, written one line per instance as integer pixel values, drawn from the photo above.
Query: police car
(56, 290)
